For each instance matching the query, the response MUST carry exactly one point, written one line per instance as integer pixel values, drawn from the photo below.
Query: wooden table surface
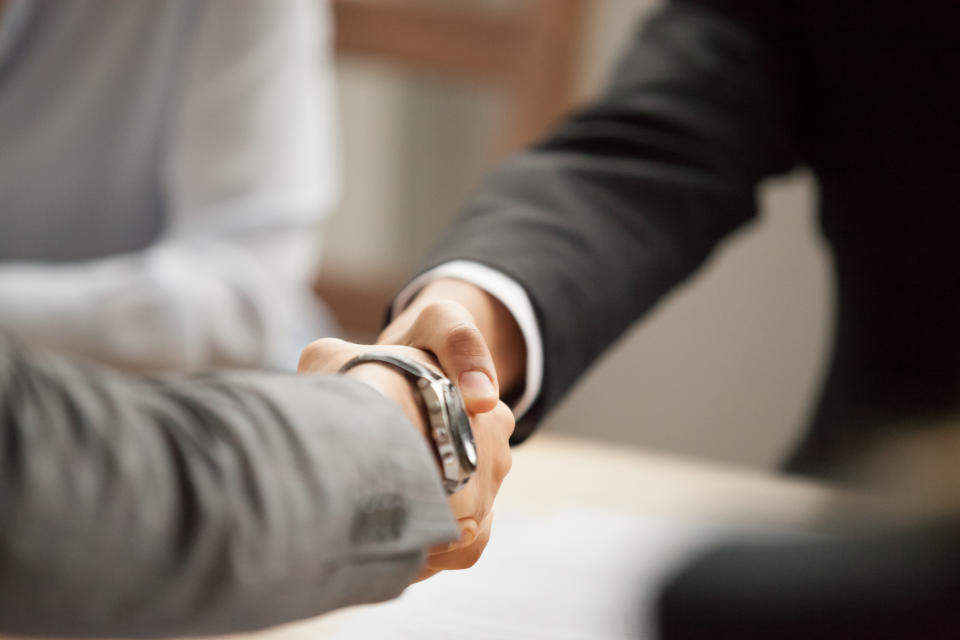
(552, 473)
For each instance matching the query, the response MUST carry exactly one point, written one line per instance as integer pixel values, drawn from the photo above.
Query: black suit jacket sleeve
(629, 196)
(137, 507)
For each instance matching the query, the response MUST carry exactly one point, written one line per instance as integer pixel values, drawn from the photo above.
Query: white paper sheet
(575, 575)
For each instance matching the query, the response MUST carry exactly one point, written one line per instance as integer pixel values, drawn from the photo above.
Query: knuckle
(440, 313)
(504, 418)
(308, 356)
(441, 309)
(317, 352)
(510, 424)
(464, 338)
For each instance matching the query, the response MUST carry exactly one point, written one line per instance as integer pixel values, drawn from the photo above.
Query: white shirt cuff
(513, 297)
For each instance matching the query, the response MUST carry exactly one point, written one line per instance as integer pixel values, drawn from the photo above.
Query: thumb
(446, 329)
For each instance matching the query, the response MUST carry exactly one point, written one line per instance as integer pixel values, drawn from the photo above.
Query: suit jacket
(629, 196)
(141, 507)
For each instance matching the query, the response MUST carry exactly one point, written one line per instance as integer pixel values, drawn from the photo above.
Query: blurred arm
(249, 168)
(630, 196)
(135, 507)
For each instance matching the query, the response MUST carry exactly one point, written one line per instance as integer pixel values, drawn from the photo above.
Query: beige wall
(724, 368)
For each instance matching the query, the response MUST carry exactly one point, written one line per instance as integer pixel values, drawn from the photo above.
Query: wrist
(396, 388)
(439, 405)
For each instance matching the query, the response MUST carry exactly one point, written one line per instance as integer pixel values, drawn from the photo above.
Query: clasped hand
(491, 420)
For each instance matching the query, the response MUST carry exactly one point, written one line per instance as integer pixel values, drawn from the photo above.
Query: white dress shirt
(165, 166)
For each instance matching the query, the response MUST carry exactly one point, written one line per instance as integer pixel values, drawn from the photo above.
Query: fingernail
(476, 384)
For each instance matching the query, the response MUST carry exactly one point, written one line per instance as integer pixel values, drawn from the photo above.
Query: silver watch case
(450, 430)
(447, 417)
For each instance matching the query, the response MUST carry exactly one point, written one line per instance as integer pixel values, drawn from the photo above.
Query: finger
(396, 331)
(468, 503)
(447, 329)
(470, 532)
(425, 573)
(469, 529)
(463, 557)
(492, 431)
(502, 416)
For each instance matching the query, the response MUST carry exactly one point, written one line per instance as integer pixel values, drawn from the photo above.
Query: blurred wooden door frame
(525, 49)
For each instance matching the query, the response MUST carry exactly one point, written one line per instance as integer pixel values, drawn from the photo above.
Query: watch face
(460, 425)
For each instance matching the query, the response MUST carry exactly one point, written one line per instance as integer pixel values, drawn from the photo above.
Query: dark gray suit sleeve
(629, 196)
(136, 507)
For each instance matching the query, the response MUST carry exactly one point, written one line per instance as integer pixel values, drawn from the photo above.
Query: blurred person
(165, 168)
(220, 503)
(572, 240)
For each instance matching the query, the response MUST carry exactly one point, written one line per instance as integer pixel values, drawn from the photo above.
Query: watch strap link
(411, 368)
(440, 431)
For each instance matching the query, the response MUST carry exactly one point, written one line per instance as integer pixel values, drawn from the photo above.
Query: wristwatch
(447, 418)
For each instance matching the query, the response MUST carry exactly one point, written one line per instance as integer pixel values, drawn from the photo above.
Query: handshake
(459, 330)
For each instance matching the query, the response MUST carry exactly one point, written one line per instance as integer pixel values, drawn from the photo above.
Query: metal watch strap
(411, 368)
(442, 435)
